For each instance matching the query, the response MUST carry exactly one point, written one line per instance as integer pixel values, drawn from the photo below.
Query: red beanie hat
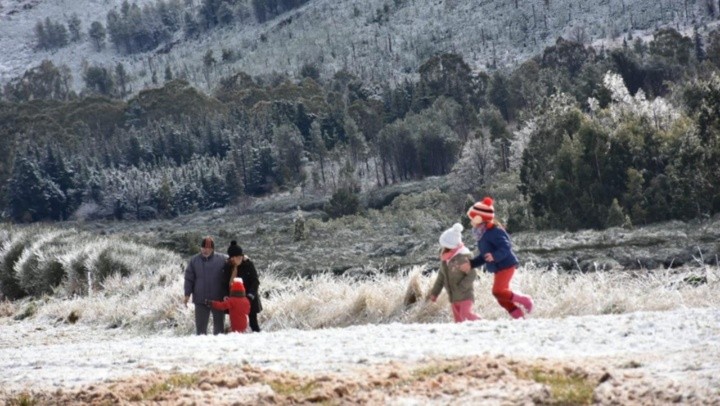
(483, 208)
(237, 285)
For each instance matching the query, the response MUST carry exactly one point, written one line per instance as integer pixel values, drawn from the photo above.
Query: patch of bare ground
(473, 380)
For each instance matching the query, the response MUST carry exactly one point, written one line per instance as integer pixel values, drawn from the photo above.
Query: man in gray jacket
(205, 279)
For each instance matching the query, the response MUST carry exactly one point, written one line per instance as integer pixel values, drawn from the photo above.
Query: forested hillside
(576, 136)
(145, 42)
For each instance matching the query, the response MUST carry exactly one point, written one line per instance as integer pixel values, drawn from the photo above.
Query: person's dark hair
(207, 242)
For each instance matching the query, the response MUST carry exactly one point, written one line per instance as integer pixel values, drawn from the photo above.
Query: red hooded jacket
(237, 305)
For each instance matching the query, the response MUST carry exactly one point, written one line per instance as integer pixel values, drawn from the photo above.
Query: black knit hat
(234, 250)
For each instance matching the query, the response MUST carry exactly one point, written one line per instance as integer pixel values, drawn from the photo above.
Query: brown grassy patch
(471, 380)
(169, 385)
(567, 387)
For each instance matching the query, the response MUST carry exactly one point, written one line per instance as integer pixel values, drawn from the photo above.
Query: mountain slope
(378, 40)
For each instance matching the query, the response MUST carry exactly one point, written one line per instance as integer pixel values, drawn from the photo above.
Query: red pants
(501, 288)
(462, 311)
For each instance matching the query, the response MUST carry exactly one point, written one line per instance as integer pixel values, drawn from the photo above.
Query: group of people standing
(457, 265)
(218, 283)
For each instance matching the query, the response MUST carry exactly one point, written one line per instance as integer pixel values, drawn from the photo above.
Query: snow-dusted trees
(416, 147)
(44, 82)
(586, 137)
(288, 147)
(656, 161)
(74, 28)
(713, 47)
(33, 197)
(696, 166)
(136, 29)
(260, 171)
(165, 190)
(267, 9)
(667, 58)
(99, 80)
(50, 34)
(97, 34)
(215, 12)
(43, 187)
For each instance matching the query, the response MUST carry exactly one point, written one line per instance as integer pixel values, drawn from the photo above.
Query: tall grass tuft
(326, 301)
(10, 252)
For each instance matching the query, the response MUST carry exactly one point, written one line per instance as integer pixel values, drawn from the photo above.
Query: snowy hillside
(377, 40)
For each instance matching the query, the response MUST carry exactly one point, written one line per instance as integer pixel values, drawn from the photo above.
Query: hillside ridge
(378, 41)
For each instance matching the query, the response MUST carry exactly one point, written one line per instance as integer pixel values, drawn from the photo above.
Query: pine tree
(164, 199)
(168, 73)
(261, 173)
(74, 28)
(97, 34)
(33, 197)
(616, 216)
(99, 80)
(122, 79)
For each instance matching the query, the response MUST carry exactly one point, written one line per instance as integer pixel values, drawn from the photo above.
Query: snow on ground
(680, 347)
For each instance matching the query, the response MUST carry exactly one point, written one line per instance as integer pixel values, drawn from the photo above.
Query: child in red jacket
(237, 304)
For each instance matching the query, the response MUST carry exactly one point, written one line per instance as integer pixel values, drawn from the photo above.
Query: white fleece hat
(452, 237)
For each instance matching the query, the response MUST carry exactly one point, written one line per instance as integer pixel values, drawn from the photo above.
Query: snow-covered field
(676, 351)
(641, 357)
(621, 336)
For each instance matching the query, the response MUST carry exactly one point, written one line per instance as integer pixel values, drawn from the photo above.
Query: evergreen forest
(584, 137)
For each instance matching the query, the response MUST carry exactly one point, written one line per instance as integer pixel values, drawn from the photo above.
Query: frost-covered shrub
(10, 253)
(342, 203)
(76, 271)
(431, 209)
(38, 270)
(79, 264)
(107, 264)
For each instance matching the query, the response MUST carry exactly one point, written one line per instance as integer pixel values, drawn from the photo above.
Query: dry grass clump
(7, 308)
(69, 276)
(145, 303)
(327, 301)
(561, 294)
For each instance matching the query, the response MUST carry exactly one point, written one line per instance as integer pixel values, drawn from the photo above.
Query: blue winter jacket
(496, 241)
(205, 278)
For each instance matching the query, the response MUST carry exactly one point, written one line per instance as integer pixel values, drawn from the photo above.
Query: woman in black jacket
(240, 266)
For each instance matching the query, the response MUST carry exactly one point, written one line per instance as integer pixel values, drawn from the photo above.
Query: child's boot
(517, 313)
(524, 301)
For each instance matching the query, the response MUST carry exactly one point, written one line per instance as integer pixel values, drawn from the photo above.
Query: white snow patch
(681, 346)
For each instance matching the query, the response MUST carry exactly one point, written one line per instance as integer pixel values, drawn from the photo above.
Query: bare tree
(578, 34)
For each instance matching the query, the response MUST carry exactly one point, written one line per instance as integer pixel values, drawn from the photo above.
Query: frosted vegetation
(572, 136)
(110, 282)
(387, 117)
(375, 40)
